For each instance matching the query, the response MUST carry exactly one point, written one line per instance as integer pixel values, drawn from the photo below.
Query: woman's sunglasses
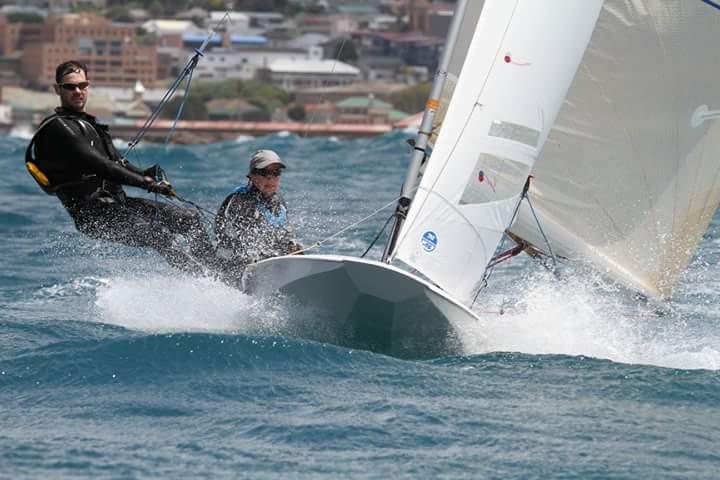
(72, 86)
(268, 173)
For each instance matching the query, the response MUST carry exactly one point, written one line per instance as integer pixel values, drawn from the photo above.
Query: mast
(423, 136)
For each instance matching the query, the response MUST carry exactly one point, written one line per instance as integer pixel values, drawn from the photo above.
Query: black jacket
(77, 155)
(251, 227)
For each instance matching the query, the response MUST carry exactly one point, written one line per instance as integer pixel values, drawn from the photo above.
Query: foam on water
(159, 303)
(578, 316)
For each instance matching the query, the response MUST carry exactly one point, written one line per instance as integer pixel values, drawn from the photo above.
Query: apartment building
(109, 50)
(14, 35)
(295, 75)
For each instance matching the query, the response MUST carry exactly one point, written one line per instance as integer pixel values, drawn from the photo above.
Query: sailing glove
(162, 187)
(155, 172)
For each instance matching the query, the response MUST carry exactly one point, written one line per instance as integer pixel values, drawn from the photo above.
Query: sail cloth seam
(476, 104)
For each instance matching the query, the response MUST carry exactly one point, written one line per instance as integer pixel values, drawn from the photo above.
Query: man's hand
(296, 248)
(163, 187)
(155, 172)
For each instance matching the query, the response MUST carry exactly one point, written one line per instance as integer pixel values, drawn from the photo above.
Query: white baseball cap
(263, 159)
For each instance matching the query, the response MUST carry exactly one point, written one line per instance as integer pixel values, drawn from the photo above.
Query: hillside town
(328, 67)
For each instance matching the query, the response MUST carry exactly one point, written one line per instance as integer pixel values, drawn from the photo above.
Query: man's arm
(74, 145)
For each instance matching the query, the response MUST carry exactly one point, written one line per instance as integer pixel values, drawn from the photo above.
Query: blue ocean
(114, 365)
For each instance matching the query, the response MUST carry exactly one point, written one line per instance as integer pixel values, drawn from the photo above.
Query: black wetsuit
(249, 228)
(87, 173)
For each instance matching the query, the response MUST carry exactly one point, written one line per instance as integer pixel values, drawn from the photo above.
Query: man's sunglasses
(268, 173)
(72, 86)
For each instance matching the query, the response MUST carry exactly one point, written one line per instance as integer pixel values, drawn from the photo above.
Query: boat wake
(574, 317)
(185, 304)
(582, 317)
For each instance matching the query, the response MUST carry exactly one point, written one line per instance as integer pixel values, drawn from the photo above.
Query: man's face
(73, 91)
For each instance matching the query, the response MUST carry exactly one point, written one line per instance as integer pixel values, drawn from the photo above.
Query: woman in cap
(251, 224)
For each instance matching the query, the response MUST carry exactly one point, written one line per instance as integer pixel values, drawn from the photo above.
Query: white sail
(469, 18)
(520, 63)
(629, 178)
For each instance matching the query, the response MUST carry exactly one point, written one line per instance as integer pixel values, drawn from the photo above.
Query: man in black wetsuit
(72, 156)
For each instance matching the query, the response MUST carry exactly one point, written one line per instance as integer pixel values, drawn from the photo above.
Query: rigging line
(712, 3)
(382, 230)
(193, 204)
(345, 229)
(187, 70)
(490, 268)
(180, 109)
(542, 232)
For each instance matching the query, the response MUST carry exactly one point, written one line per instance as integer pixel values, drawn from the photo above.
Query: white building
(294, 75)
(243, 64)
(6, 116)
(168, 27)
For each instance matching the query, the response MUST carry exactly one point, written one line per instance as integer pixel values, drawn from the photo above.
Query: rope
(180, 109)
(542, 232)
(186, 72)
(377, 237)
(345, 229)
(491, 268)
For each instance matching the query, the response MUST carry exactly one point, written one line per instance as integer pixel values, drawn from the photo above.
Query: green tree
(194, 108)
(297, 112)
(411, 99)
(24, 17)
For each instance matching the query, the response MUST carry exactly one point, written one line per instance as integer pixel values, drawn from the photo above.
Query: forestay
(518, 69)
(630, 175)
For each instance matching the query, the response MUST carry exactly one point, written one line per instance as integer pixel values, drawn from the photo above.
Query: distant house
(320, 112)
(266, 20)
(168, 27)
(294, 75)
(384, 68)
(329, 25)
(194, 14)
(414, 48)
(379, 90)
(367, 110)
(232, 109)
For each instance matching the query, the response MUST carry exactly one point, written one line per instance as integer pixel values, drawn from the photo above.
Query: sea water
(113, 365)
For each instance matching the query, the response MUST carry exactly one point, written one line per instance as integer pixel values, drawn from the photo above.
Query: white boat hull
(366, 304)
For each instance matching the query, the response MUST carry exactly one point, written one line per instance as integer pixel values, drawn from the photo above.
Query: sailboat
(583, 130)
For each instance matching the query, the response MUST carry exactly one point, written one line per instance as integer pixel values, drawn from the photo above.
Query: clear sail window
(494, 178)
(517, 133)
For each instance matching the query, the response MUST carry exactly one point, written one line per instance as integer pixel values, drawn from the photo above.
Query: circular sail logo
(429, 241)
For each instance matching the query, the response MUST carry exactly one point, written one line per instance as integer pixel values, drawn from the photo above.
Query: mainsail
(518, 68)
(628, 179)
